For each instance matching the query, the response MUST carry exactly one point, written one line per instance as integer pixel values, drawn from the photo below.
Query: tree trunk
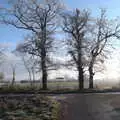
(33, 76)
(33, 72)
(91, 74)
(13, 79)
(43, 58)
(80, 68)
(30, 78)
(81, 78)
(44, 67)
(44, 75)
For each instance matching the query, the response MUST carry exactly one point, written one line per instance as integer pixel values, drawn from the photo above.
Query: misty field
(60, 85)
(51, 85)
(55, 85)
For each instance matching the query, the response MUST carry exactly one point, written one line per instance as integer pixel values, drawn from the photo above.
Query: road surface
(89, 107)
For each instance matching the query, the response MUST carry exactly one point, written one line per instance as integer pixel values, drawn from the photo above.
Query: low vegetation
(28, 108)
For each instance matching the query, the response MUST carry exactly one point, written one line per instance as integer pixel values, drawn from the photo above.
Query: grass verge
(36, 107)
(55, 110)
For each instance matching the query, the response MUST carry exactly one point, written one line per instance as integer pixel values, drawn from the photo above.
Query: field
(57, 85)
(60, 85)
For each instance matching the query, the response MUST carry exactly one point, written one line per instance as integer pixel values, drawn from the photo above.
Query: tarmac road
(88, 107)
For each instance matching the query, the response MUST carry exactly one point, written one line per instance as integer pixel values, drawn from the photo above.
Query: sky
(112, 6)
(11, 36)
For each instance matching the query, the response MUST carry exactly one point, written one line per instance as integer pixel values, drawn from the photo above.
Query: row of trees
(86, 37)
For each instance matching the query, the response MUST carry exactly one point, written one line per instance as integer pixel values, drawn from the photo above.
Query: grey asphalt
(87, 107)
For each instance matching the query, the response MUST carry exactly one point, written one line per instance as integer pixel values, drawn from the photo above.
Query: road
(92, 106)
(89, 107)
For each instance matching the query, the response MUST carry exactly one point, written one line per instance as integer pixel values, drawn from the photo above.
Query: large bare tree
(102, 33)
(40, 18)
(75, 24)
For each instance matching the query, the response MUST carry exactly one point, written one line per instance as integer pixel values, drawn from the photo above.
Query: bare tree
(40, 18)
(2, 76)
(101, 33)
(13, 67)
(74, 24)
(29, 61)
(2, 53)
(27, 64)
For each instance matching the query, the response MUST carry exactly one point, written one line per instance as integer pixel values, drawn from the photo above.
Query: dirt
(90, 107)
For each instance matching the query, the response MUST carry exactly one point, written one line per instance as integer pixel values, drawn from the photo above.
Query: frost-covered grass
(28, 108)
